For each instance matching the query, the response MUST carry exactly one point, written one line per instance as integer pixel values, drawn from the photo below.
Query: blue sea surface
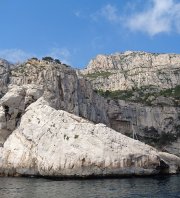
(157, 186)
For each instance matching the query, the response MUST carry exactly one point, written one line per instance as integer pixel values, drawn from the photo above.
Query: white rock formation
(13, 105)
(155, 118)
(134, 69)
(52, 142)
(38, 138)
(4, 76)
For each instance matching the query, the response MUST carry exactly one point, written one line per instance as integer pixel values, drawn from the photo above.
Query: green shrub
(119, 94)
(142, 94)
(48, 58)
(57, 61)
(177, 91)
(34, 58)
(167, 138)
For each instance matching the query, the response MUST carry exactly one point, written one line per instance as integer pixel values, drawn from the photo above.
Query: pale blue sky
(77, 30)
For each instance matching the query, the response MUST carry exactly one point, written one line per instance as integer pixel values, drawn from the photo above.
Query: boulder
(55, 143)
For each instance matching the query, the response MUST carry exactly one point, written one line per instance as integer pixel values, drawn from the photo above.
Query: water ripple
(152, 187)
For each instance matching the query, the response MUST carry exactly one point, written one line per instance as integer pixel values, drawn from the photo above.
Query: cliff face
(158, 126)
(62, 88)
(58, 84)
(33, 134)
(4, 76)
(123, 71)
(51, 142)
(150, 85)
(146, 114)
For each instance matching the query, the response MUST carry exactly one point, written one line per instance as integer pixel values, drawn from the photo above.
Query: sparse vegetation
(159, 140)
(174, 92)
(144, 94)
(57, 61)
(119, 94)
(48, 58)
(33, 58)
(167, 138)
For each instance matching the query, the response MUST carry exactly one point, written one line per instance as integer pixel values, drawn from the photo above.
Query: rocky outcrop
(62, 88)
(52, 142)
(156, 125)
(58, 84)
(123, 71)
(13, 105)
(4, 76)
(143, 95)
(33, 127)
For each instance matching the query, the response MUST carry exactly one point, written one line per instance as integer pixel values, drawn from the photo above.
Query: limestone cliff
(51, 142)
(58, 84)
(123, 71)
(4, 76)
(143, 90)
(32, 132)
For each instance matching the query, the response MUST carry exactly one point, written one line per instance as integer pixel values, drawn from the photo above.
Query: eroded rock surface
(52, 142)
(143, 95)
(123, 71)
(13, 105)
(4, 76)
(37, 136)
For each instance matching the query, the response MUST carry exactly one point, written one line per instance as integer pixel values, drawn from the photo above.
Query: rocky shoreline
(53, 124)
(70, 146)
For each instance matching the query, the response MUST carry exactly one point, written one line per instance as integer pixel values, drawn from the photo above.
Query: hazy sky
(77, 30)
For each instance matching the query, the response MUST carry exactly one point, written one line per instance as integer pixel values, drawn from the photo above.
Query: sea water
(157, 186)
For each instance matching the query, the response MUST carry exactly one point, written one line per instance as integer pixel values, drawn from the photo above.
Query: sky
(76, 31)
